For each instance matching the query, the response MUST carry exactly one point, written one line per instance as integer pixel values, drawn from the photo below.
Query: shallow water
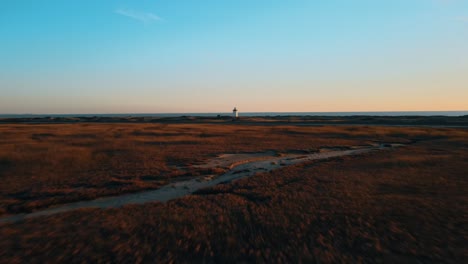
(241, 165)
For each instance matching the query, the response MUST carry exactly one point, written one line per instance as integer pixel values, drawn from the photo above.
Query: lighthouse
(234, 113)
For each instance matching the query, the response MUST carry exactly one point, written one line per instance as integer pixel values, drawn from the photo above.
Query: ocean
(250, 114)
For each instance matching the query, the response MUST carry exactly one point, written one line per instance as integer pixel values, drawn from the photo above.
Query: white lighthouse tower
(235, 113)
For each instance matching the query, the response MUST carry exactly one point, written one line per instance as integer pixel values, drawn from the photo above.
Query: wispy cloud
(139, 16)
(462, 19)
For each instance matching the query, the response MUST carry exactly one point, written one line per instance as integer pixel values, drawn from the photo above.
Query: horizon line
(228, 112)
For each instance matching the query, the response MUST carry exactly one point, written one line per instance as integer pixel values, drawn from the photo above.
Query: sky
(174, 56)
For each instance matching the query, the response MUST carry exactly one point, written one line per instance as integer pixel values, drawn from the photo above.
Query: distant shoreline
(252, 114)
(226, 119)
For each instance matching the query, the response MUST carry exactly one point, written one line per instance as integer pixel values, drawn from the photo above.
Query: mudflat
(402, 203)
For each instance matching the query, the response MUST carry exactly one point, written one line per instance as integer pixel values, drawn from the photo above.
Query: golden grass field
(402, 205)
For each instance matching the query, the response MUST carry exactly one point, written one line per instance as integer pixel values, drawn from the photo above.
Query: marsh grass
(402, 205)
(42, 165)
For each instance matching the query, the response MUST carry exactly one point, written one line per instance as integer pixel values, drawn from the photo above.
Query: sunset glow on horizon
(60, 57)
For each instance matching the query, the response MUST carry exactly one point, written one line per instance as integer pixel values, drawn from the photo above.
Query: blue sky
(207, 56)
